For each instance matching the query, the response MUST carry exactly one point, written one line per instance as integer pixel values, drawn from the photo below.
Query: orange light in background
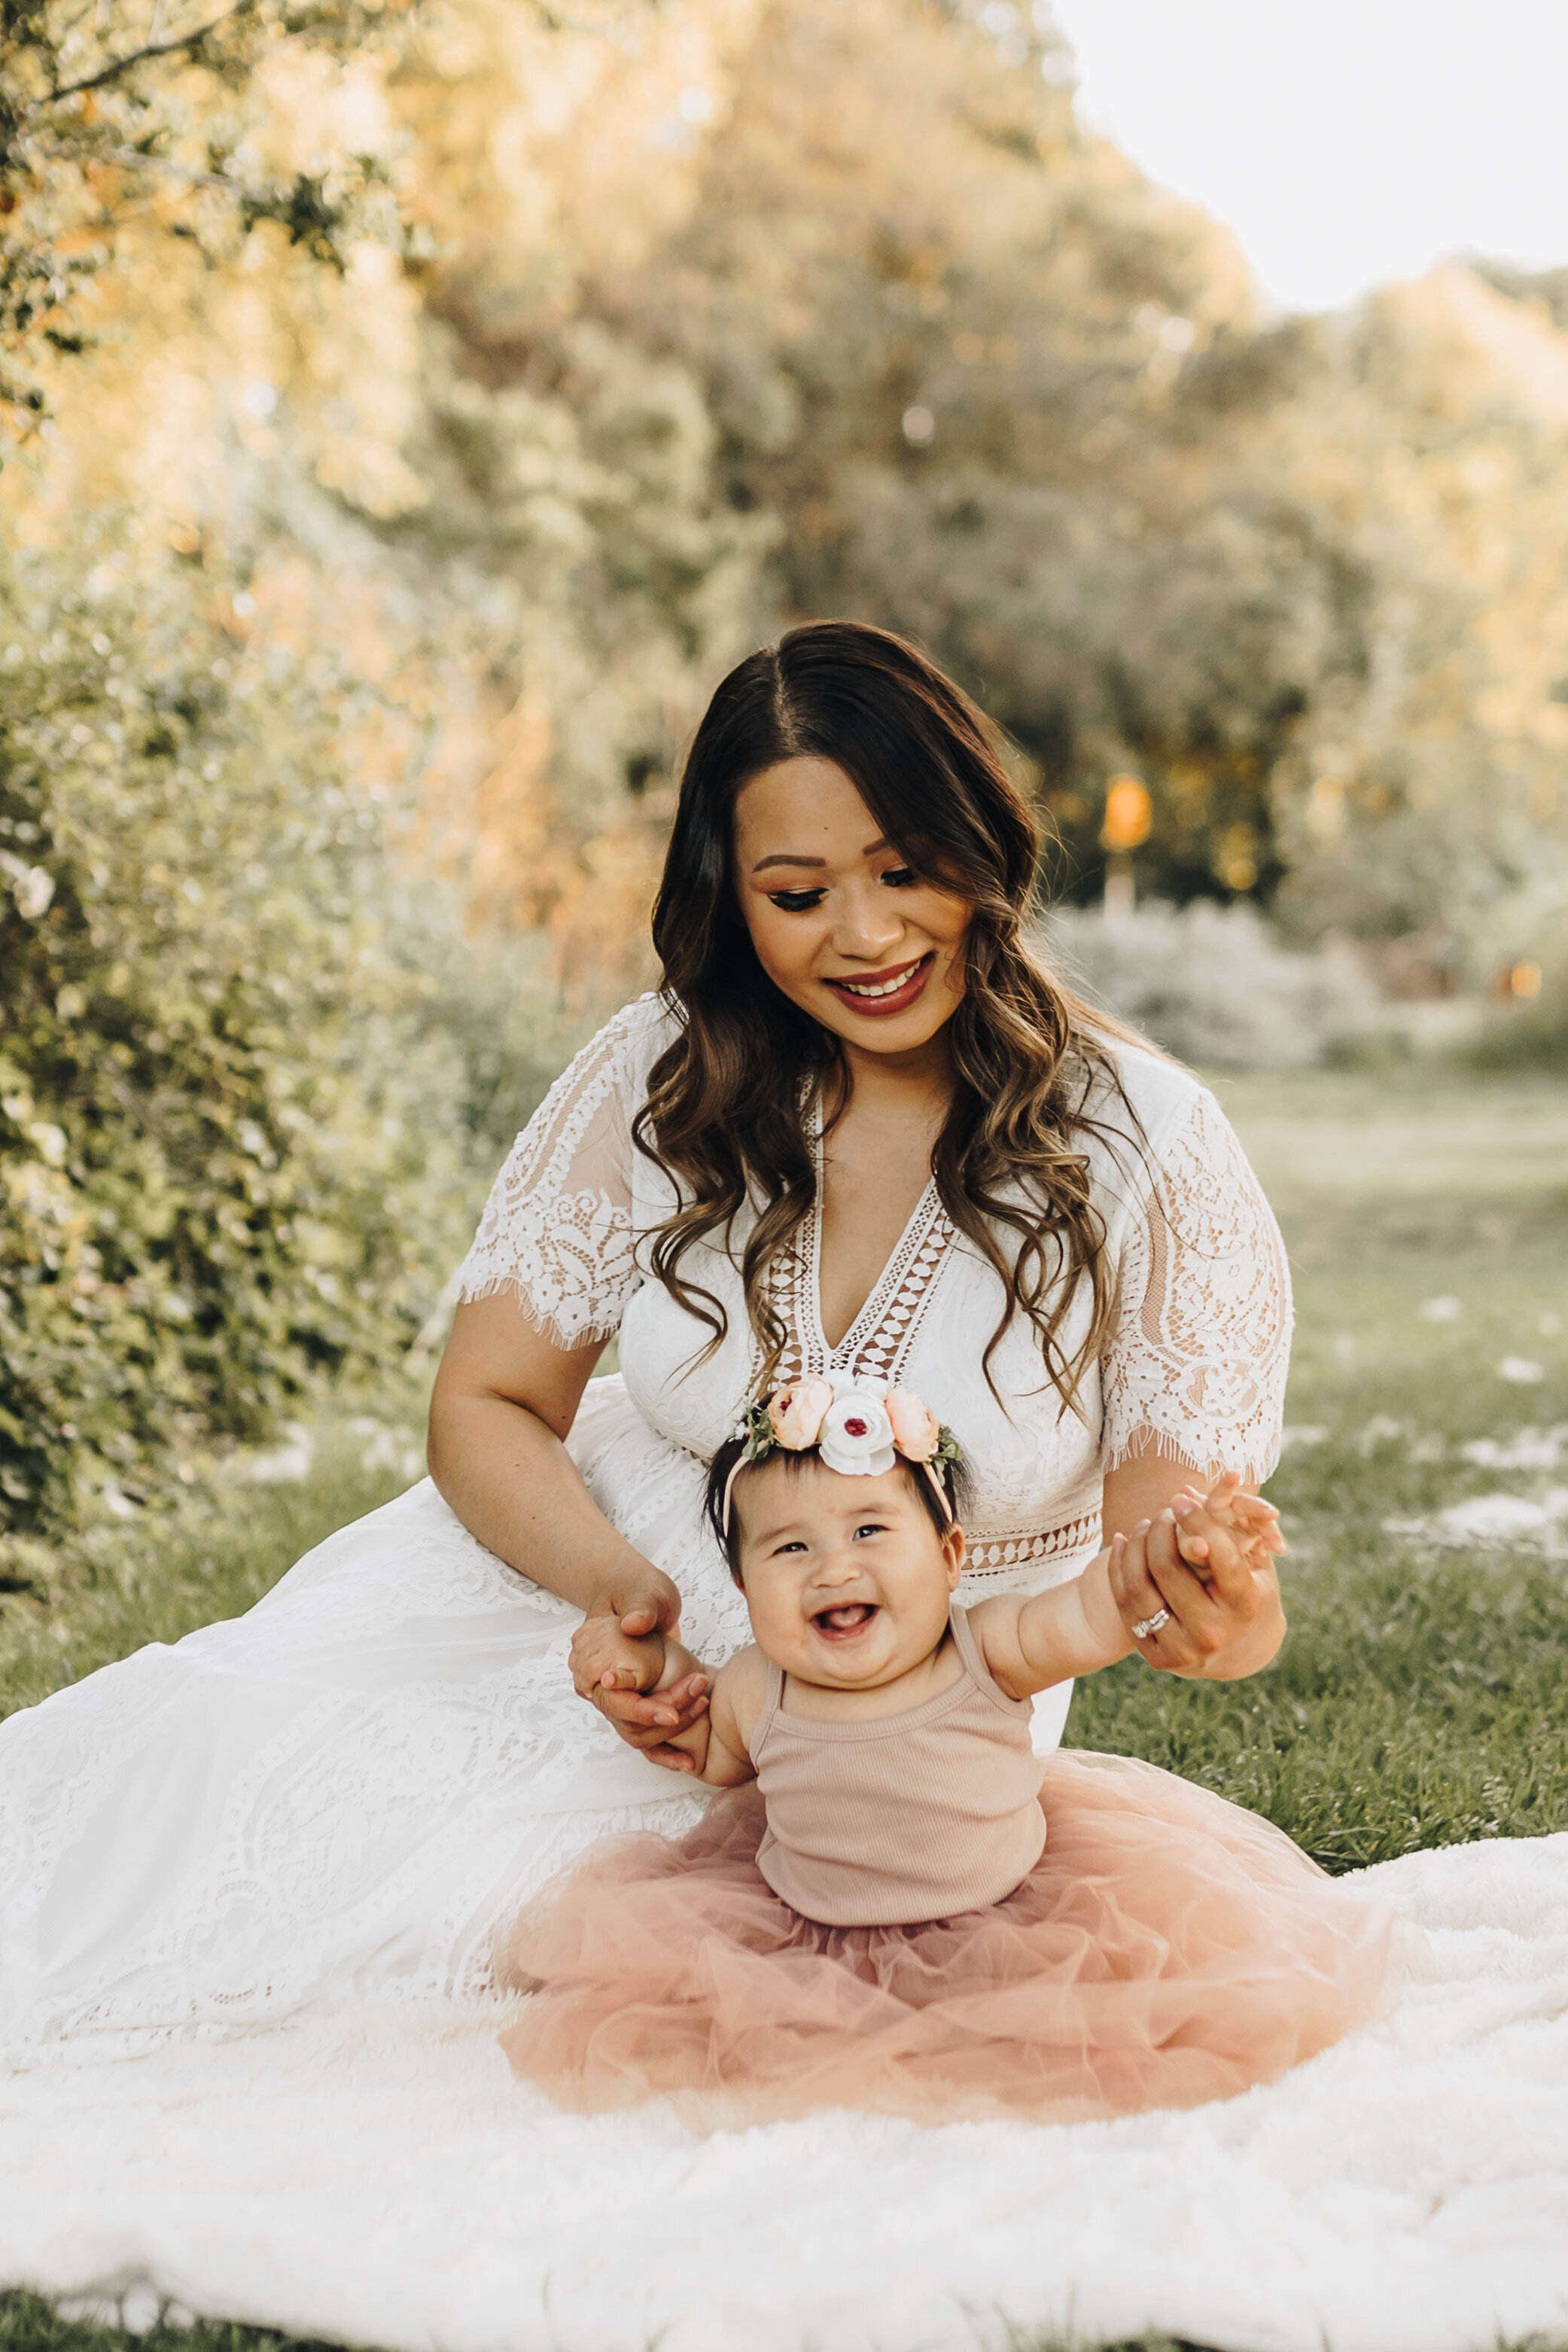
(1524, 980)
(1129, 814)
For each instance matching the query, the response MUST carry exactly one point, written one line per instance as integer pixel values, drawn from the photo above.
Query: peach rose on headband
(796, 1413)
(917, 1430)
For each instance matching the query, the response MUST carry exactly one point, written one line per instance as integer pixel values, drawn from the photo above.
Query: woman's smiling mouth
(877, 993)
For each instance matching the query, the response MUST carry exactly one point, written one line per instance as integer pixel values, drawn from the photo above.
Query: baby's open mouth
(850, 1618)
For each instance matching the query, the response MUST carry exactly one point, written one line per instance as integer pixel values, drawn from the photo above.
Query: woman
(860, 1131)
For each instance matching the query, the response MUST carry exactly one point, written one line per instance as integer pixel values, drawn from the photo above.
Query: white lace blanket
(383, 2181)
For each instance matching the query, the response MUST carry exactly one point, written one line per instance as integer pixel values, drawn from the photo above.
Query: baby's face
(846, 1579)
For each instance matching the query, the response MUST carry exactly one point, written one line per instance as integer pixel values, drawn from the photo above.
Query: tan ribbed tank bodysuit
(913, 1816)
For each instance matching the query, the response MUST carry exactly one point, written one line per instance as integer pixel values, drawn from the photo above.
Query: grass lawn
(1423, 1695)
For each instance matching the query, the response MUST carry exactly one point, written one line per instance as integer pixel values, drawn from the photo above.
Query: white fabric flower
(856, 1436)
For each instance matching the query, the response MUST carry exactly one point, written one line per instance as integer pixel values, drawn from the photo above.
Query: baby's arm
(1032, 1641)
(1077, 1628)
(717, 1743)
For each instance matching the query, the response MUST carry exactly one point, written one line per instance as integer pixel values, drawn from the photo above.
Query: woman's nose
(867, 926)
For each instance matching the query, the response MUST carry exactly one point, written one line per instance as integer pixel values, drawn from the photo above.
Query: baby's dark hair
(951, 1473)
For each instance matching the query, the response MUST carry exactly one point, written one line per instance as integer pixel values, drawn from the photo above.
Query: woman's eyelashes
(800, 902)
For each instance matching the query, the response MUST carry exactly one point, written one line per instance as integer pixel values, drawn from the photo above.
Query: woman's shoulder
(631, 1041)
(650, 1020)
(1138, 1096)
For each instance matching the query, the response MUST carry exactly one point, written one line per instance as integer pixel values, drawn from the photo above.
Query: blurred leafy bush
(233, 1138)
(1215, 984)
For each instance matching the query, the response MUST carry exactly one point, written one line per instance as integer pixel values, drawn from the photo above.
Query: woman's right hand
(617, 1656)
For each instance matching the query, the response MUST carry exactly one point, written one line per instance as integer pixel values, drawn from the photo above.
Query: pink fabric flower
(917, 1430)
(796, 1413)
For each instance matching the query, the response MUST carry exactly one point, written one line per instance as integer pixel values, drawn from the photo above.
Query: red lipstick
(912, 976)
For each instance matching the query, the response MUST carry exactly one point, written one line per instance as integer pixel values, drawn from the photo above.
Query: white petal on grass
(1520, 1370)
(1530, 1449)
(1441, 1310)
(286, 1464)
(1500, 1518)
(1301, 1435)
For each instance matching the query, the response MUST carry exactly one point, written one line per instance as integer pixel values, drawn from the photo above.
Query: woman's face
(847, 931)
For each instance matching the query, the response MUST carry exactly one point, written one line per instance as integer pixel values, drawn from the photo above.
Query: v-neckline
(877, 1301)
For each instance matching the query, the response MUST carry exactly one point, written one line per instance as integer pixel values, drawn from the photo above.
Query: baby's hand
(1244, 1527)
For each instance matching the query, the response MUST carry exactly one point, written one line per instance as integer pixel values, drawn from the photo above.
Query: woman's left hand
(1215, 1631)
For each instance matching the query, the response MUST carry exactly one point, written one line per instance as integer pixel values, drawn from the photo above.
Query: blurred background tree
(427, 403)
(155, 114)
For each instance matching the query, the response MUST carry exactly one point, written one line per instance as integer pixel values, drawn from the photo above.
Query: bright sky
(1345, 142)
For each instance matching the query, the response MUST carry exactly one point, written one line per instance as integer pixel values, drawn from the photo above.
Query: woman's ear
(952, 1551)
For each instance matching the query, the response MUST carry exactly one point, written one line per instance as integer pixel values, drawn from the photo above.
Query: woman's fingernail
(1143, 1526)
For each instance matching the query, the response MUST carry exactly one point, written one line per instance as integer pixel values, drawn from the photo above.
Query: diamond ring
(1147, 1625)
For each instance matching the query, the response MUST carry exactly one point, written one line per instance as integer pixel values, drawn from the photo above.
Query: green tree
(141, 114)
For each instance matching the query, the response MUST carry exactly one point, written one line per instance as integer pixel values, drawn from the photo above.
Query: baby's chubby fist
(1225, 1520)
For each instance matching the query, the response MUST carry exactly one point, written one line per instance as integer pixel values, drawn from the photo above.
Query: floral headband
(858, 1428)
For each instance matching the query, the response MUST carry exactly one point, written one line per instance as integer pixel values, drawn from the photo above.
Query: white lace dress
(349, 1787)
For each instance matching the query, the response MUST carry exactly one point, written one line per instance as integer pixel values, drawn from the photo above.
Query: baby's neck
(909, 1687)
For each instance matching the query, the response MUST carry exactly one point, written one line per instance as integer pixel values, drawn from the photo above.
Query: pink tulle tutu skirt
(1167, 1948)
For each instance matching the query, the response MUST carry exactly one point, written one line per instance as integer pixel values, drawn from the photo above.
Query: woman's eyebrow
(787, 857)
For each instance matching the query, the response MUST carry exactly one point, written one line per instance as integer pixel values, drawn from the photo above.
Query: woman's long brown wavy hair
(728, 1101)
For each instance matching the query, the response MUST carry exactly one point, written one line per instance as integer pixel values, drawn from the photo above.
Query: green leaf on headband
(758, 1428)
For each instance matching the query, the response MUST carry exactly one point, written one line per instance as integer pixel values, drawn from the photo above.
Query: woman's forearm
(513, 1484)
(504, 1400)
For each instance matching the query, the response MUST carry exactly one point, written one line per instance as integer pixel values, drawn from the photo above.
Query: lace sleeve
(1195, 1365)
(557, 1231)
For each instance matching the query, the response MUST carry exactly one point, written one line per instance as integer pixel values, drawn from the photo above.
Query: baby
(847, 1547)
(908, 1910)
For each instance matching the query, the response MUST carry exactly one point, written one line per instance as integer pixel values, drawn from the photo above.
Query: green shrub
(232, 1137)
